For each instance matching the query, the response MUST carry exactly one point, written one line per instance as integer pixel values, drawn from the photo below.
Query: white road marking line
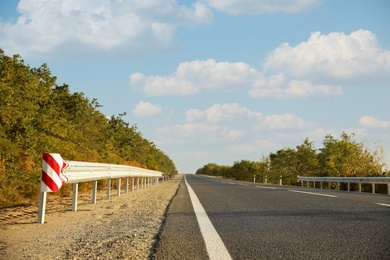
(214, 244)
(242, 184)
(264, 187)
(383, 204)
(313, 193)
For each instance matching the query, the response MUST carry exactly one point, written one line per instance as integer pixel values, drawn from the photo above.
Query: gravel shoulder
(124, 227)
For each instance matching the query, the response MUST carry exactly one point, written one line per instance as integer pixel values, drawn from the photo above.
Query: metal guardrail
(359, 180)
(76, 172)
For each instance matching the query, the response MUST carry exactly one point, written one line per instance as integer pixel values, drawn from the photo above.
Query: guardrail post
(118, 192)
(373, 188)
(137, 183)
(281, 180)
(127, 185)
(388, 189)
(321, 185)
(94, 192)
(329, 185)
(75, 196)
(360, 187)
(108, 189)
(42, 207)
(349, 186)
(338, 186)
(132, 184)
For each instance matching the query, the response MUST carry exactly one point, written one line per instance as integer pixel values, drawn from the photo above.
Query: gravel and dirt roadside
(124, 227)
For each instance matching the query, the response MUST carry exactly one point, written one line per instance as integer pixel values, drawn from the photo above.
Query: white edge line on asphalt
(313, 193)
(215, 247)
(263, 187)
(383, 204)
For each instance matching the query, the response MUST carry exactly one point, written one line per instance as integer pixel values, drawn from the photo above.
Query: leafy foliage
(342, 157)
(37, 116)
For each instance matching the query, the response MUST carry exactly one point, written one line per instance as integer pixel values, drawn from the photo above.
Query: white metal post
(42, 207)
(75, 195)
(118, 192)
(127, 185)
(109, 189)
(94, 192)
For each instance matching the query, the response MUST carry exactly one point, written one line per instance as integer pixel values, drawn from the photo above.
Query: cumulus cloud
(253, 7)
(194, 130)
(234, 113)
(192, 77)
(372, 122)
(125, 27)
(218, 113)
(333, 56)
(143, 109)
(294, 89)
(309, 69)
(286, 121)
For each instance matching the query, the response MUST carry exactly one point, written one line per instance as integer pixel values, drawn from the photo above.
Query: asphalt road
(259, 221)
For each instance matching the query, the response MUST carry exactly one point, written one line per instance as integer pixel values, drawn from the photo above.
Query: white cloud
(294, 89)
(235, 134)
(372, 122)
(333, 56)
(143, 109)
(122, 27)
(194, 131)
(307, 70)
(192, 77)
(286, 121)
(252, 7)
(229, 112)
(202, 133)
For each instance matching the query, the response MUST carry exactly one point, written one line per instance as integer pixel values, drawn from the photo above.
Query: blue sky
(218, 80)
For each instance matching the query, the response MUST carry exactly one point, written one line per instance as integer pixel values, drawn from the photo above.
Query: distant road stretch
(222, 219)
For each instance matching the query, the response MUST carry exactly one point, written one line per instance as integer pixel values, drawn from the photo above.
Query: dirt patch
(124, 227)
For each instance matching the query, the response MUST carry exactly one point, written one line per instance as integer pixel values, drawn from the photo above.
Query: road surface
(223, 219)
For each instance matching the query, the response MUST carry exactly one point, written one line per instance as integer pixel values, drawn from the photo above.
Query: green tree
(284, 163)
(37, 116)
(347, 157)
(307, 159)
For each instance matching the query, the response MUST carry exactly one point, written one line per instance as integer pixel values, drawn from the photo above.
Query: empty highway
(223, 219)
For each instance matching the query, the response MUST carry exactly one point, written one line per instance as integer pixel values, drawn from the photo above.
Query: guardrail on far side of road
(359, 180)
(56, 171)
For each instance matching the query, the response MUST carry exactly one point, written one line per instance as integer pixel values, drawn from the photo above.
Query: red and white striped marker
(52, 168)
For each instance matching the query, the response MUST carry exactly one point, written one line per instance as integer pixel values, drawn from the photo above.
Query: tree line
(37, 115)
(343, 157)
